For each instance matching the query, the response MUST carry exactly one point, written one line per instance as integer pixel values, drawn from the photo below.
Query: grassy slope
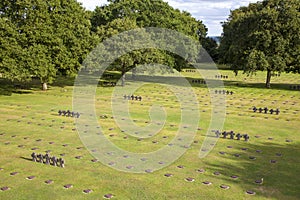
(33, 116)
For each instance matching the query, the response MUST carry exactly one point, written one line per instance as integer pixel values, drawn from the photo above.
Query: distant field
(29, 122)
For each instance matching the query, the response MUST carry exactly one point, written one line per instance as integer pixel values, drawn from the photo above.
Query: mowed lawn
(30, 123)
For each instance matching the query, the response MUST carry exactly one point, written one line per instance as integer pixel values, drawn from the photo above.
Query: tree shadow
(274, 86)
(277, 164)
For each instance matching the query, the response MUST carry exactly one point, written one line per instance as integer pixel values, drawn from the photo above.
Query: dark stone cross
(246, 137)
(231, 135)
(34, 157)
(254, 109)
(238, 136)
(224, 134)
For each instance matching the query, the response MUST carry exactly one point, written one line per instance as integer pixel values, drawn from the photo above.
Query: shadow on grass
(281, 178)
(275, 86)
(28, 159)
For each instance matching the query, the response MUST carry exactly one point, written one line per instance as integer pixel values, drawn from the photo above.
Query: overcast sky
(211, 12)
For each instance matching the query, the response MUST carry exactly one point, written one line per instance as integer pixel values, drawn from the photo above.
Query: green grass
(33, 115)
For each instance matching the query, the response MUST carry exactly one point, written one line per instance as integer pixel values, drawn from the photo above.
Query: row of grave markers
(265, 109)
(232, 134)
(223, 92)
(132, 97)
(47, 159)
(295, 87)
(68, 113)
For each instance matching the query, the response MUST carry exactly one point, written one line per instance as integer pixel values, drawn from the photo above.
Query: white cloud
(211, 12)
(91, 4)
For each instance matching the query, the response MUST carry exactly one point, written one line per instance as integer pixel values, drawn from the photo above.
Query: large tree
(56, 38)
(263, 36)
(124, 15)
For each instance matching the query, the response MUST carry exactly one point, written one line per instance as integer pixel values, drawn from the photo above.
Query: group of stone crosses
(223, 92)
(295, 87)
(47, 159)
(68, 113)
(108, 76)
(231, 135)
(199, 81)
(190, 70)
(221, 76)
(265, 110)
(132, 97)
(275, 75)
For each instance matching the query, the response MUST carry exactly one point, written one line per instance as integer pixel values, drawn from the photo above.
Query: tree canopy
(263, 36)
(42, 38)
(124, 15)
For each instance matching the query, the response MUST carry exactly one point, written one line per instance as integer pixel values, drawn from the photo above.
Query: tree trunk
(123, 76)
(45, 87)
(134, 73)
(268, 80)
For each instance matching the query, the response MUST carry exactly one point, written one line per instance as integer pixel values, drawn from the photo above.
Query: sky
(210, 12)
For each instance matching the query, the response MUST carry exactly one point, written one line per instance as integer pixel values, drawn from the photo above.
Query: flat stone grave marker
(250, 192)
(252, 158)
(206, 183)
(189, 179)
(87, 191)
(14, 173)
(5, 188)
(108, 196)
(30, 177)
(200, 170)
(148, 170)
(49, 182)
(259, 181)
(129, 167)
(225, 187)
(168, 175)
(68, 186)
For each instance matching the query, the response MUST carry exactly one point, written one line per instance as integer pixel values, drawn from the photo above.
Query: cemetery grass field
(29, 122)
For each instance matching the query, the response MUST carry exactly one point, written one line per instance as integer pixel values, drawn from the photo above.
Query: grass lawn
(29, 122)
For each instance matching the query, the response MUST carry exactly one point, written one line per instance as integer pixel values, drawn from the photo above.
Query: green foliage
(263, 36)
(124, 15)
(211, 46)
(55, 37)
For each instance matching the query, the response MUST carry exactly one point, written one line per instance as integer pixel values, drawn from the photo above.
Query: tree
(211, 46)
(263, 36)
(56, 37)
(123, 15)
(12, 55)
